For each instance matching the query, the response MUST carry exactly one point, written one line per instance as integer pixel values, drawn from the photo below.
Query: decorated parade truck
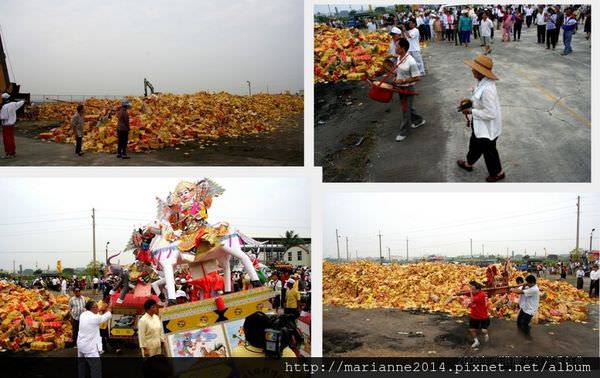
(181, 248)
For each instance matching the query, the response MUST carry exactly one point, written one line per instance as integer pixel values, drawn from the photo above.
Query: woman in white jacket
(89, 342)
(486, 120)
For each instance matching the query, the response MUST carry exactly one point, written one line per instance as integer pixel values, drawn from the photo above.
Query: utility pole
(471, 248)
(94, 239)
(577, 240)
(14, 267)
(389, 255)
(337, 241)
(591, 236)
(482, 250)
(106, 251)
(347, 254)
(407, 249)
(357, 254)
(380, 254)
(249, 88)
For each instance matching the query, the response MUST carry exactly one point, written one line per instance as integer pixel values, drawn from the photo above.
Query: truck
(6, 86)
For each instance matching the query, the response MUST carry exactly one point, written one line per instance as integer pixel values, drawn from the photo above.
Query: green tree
(291, 239)
(380, 9)
(90, 271)
(37, 272)
(68, 272)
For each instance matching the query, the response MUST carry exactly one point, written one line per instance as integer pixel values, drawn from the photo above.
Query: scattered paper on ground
(429, 287)
(167, 120)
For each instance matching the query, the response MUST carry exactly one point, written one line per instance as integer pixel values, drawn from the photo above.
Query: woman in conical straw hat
(485, 121)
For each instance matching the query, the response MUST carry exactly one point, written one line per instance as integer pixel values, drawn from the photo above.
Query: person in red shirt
(479, 318)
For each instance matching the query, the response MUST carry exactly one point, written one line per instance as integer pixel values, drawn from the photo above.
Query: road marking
(556, 100)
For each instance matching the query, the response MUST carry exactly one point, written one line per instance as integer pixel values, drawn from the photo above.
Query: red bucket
(380, 94)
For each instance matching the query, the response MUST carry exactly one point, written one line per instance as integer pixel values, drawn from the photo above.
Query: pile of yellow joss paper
(33, 319)
(347, 53)
(431, 287)
(168, 120)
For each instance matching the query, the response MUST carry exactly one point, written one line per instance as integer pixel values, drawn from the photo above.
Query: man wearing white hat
(396, 34)
(8, 117)
(486, 119)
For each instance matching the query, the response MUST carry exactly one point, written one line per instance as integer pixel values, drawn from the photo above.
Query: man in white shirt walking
(486, 120)
(594, 276)
(540, 21)
(8, 117)
(486, 28)
(529, 303)
(89, 342)
(528, 15)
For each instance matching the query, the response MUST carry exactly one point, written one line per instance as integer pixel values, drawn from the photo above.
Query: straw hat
(482, 64)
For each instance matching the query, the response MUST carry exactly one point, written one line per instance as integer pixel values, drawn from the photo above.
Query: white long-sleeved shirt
(530, 300)
(487, 117)
(540, 19)
(486, 27)
(8, 114)
(88, 339)
(594, 275)
(150, 332)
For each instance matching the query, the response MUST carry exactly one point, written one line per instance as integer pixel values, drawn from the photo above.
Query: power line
(42, 221)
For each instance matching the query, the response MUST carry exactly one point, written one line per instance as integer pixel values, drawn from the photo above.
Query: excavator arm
(5, 84)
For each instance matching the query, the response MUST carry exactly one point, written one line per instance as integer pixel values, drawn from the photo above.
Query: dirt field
(395, 333)
(282, 147)
(546, 112)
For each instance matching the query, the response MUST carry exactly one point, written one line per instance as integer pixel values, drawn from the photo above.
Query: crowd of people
(462, 24)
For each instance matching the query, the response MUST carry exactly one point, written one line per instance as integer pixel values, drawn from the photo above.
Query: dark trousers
(75, 325)
(523, 321)
(292, 311)
(492, 33)
(517, 31)
(528, 21)
(551, 37)
(541, 33)
(78, 145)
(122, 146)
(450, 34)
(579, 283)
(594, 288)
(475, 31)
(487, 148)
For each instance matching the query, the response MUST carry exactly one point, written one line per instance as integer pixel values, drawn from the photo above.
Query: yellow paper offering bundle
(33, 319)
(431, 287)
(168, 120)
(347, 53)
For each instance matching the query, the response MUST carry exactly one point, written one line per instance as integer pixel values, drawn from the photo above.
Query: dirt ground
(395, 333)
(282, 147)
(546, 111)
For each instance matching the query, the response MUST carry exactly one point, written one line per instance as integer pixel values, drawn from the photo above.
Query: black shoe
(125, 157)
(80, 154)
(256, 284)
(463, 165)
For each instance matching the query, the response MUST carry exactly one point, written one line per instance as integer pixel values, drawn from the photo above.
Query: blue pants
(567, 36)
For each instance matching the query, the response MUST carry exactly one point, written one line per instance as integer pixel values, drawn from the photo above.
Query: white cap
(180, 294)
(290, 280)
(182, 280)
(5, 96)
(396, 30)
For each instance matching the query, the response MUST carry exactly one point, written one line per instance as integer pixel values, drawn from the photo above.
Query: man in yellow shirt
(292, 300)
(255, 344)
(150, 330)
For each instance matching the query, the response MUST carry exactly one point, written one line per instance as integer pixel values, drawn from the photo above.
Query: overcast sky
(50, 219)
(182, 46)
(443, 223)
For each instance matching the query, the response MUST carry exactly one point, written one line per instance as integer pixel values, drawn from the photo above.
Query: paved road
(546, 108)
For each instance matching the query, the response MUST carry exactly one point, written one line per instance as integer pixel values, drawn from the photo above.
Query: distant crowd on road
(458, 24)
